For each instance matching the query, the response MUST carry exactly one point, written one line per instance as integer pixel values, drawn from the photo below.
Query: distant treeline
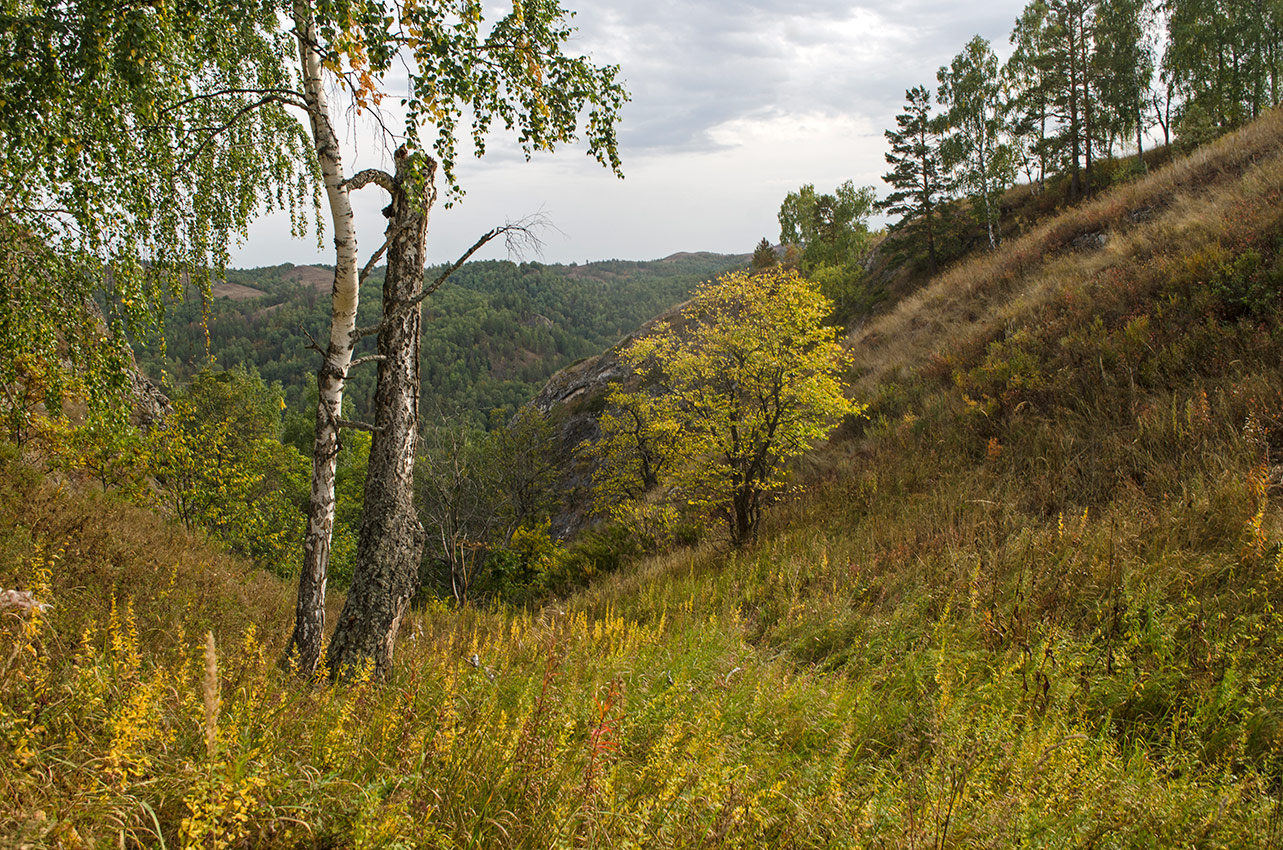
(491, 335)
(1088, 80)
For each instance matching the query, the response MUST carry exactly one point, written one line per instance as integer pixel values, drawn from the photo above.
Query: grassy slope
(1033, 601)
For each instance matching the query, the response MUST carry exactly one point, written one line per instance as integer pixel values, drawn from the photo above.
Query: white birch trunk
(305, 645)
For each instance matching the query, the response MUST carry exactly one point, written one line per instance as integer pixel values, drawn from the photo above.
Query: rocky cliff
(571, 402)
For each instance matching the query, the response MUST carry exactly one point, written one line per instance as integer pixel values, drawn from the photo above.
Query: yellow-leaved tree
(747, 380)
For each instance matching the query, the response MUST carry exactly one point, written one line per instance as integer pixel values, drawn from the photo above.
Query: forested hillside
(492, 334)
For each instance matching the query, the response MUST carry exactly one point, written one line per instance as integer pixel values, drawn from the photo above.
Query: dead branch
(370, 175)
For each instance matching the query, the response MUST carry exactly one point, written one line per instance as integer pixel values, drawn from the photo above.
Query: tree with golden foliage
(747, 380)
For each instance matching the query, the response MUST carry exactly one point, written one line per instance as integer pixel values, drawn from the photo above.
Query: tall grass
(1034, 600)
(1124, 225)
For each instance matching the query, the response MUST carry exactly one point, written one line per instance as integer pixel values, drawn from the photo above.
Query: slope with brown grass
(1035, 600)
(1191, 199)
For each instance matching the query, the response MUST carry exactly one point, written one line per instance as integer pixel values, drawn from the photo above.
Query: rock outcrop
(571, 401)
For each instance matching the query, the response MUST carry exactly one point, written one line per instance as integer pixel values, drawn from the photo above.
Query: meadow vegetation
(1033, 599)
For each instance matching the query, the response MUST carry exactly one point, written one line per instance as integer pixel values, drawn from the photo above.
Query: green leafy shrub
(1248, 285)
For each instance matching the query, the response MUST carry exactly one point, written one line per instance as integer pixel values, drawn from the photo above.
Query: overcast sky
(734, 104)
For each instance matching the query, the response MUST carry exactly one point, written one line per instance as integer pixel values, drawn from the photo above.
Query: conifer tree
(1069, 51)
(918, 176)
(764, 255)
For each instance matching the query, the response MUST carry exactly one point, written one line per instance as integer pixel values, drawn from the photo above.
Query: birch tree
(1030, 77)
(832, 233)
(139, 141)
(1225, 60)
(976, 149)
(513, 72)
(142, 138)
(1124, 59)
(304, 648)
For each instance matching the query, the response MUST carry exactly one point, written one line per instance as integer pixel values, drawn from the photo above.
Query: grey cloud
(694, 65)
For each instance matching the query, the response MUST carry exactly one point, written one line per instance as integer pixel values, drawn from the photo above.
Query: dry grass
(1159, 214)
(1035, 603)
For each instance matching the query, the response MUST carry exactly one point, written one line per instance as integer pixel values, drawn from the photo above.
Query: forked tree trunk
(304, 649)
(391, 540)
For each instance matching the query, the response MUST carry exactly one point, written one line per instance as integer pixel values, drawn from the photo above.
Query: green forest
(493, 334)
(961, 531)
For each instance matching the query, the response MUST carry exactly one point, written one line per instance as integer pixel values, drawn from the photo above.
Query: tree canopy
(747, 380)
(222, 466)
(829, 228)
(142, 138)
(976, 146)
(139, 140)
(831, 234)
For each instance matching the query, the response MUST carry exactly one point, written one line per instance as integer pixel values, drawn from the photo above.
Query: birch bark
(391, 540)
(304, 650)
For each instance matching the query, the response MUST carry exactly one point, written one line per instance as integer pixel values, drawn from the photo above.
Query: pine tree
(917, 170)
(764, 255)
(1069, 51)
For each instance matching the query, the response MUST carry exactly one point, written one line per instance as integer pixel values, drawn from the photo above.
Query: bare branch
(370, 175)
(378, 255)
(356, 112)
(356, 426)
(369, 358)
(7, 211)
(518, 236)
(311, 341)
(215, 132)
(286, 96)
